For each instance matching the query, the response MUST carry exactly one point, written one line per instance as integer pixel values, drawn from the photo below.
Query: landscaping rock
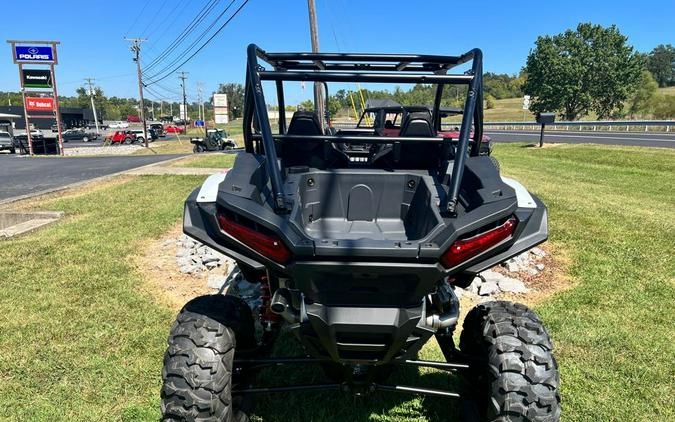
(488, 288)
(512, 265)
(216, 281)
(512, 285)
(475, 285)
(538, 252)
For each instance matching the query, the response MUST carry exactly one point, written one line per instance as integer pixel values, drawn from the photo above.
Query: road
(662, 140)
(21, 176)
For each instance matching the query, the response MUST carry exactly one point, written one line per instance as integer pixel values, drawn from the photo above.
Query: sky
(92, 34)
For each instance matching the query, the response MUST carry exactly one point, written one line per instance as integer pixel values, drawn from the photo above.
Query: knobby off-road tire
(519, 379)
(197, 374)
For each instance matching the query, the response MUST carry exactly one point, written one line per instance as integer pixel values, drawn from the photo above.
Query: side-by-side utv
(358, 256)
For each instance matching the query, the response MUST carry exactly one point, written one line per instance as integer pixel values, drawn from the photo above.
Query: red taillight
(464, 249)
(269, 246)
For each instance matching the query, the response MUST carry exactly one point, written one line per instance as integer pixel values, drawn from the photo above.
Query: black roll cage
(359, 67)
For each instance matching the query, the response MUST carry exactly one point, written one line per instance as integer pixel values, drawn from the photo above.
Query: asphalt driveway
(21, 176)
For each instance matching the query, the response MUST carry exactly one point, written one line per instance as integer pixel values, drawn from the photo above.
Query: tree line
(591, 70)
(114, 108)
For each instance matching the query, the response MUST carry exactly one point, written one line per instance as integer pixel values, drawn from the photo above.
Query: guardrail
(588, 125)
(624, 125)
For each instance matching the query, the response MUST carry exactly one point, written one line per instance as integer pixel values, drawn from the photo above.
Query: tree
(235, 98)
(334, 106)
(502, 85)
(307, 105)
(664, 106)
(590, 69)
(489, 101)
(643, 98)
(661, 63)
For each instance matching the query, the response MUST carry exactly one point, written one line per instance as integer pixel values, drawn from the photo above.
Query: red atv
(120, 137)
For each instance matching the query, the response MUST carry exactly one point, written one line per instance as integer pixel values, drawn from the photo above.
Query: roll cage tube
(406, 68)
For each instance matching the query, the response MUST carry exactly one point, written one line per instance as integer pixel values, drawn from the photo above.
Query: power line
(196, 40)
(137, 17)
(152, 19)
(185, 33)
(205, 43)
(169, 25)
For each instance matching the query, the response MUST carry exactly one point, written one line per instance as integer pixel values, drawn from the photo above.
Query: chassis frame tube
(283, 61)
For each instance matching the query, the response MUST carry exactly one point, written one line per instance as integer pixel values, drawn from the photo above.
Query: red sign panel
(39, 104)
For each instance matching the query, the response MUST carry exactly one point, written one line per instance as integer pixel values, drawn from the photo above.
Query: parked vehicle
(79, 135)
(159, 129)
(140, 137)
(388, 120)
(7, 142)
(359, 259)
(215, 140)
(120, 137)
(118, 125)
(101, 126)
(174, 129)
(41, 145)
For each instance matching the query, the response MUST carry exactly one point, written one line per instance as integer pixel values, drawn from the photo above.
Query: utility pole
(314, 33)
(183, 77)
(161, 108)
(152, 106)
(136, 48)
(202, 116)
(93, 106)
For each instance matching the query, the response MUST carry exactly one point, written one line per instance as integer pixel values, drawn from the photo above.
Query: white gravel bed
(103, 150)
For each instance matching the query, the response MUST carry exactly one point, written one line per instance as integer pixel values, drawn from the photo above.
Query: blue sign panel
(199, 123)
(30, 53)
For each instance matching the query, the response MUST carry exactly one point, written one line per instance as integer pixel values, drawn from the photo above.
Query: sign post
(526, 105)
(38, 53)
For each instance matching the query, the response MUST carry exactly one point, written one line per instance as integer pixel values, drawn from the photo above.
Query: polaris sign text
(30, 53)
(36, 78)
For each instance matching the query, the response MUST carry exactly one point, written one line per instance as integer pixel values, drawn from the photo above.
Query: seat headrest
(417, 124)
(304, 123)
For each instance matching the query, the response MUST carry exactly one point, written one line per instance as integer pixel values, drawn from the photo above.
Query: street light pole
(136, 48)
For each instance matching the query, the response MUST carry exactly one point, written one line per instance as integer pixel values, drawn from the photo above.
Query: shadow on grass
(340, 406)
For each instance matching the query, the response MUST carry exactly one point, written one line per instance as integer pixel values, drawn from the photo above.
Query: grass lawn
(211, 160)
(167, 147)
(78, 338)
(81, 339)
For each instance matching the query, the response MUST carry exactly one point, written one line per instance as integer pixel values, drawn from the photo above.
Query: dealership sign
(33, 53)
(220, 108)
(36, 78)
(39, 104)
